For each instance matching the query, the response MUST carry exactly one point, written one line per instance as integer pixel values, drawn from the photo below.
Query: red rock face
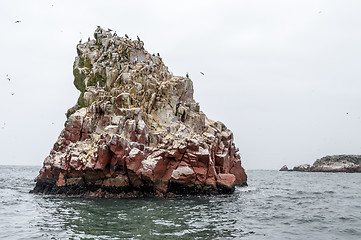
(139, 132)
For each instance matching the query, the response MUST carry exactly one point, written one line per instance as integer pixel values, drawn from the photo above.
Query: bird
(114, 34)
(17, 21)
(126, 36)
(8, 79)
(12, 94)
(80, 41)
(158, 55)
(187, 75)
(109, 30)
(347, 113)
(88, 39)
(202, 73)
(319, 12)
(138, 38)
(52, 123)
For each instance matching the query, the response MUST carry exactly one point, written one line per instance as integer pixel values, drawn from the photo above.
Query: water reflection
(186, 218)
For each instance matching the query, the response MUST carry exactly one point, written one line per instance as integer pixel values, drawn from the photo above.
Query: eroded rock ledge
(335, 163)
(136, 130)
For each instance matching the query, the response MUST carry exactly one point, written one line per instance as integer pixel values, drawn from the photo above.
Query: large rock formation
(136, 130)
(336, 163)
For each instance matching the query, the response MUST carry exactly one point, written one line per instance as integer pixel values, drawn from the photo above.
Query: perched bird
(138, 38)
(158, 55)
(98, 26)
(88, 39)
(126, 36)
(202, 73)
(114, 34)
(187, 75)
(17, 21)
(80, 41)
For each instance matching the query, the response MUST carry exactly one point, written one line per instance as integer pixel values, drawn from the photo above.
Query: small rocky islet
(334, 163)
(136, 130)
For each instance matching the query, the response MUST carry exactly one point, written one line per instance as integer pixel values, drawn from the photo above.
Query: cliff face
(136, 130)
(335, 163)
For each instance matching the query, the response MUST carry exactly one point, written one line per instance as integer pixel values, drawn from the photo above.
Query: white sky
(284, 76)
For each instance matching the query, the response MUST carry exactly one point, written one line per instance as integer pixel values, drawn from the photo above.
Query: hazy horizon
(283, 76)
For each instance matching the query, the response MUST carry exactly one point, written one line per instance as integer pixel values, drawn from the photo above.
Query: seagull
(138, 38)
(17, 21)
(202, 73)
(126, 36)
(187, 75)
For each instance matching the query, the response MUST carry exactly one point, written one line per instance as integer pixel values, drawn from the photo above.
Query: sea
(275, 205)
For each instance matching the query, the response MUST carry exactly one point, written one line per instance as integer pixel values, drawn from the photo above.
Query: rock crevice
(136, 130)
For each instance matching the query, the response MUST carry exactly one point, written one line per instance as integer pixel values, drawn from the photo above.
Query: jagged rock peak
(136, 130)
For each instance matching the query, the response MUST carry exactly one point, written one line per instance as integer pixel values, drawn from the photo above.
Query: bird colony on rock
(136, 130)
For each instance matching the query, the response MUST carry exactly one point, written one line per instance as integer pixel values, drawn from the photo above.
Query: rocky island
(136, 130)
(335, 163)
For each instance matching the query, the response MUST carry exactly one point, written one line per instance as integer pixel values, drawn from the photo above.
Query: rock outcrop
(336, 163)
(136, 130)
(284, 168)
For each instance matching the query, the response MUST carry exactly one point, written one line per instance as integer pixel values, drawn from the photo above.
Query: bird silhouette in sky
(17, 21)
(202, 73)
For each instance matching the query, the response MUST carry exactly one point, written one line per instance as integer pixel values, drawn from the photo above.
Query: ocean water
(275, 205)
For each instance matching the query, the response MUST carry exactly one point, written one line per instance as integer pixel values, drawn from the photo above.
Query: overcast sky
(284, 76)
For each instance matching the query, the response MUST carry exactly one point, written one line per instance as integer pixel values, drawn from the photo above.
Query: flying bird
(202, 73)
(17, 21)
(8, 79)
(126, 36)
(12, 94)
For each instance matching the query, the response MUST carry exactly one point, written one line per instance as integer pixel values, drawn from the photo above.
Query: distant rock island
(136, 130)
(335, 163)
